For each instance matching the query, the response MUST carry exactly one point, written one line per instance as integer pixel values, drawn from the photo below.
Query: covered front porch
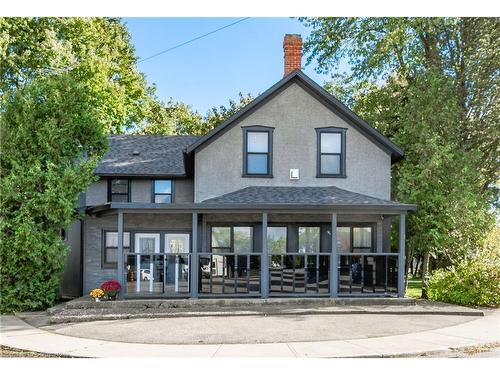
(258, 252)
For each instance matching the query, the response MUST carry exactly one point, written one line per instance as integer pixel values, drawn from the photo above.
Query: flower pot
(112, 296)
(97, 299)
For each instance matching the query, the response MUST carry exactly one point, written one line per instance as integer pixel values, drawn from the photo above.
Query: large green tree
(431, 85)
(179, 118)
(64, 84)
(97, 50)
(51, 139)
(172, 118)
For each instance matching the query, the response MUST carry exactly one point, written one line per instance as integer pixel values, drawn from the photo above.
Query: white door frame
(187, 246)
(138, 236)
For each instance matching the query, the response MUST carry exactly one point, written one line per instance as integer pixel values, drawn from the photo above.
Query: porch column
(194, 256)
(120, 268)
(264, 261)
(334, 277)
(401, 258)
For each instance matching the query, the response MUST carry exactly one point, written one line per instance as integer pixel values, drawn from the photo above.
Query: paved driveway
(256, 329)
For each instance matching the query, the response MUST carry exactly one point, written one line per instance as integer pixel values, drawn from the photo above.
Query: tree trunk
(425, 274)
(409, 261)
(415, 271)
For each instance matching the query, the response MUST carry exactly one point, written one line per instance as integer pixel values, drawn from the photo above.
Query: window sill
(257, 175)
(331, 176)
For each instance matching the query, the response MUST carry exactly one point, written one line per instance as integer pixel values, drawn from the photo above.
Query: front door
(177, 263)
(146, 245)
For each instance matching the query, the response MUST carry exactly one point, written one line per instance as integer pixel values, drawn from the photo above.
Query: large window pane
(257, 164)
(119, 186)
(309, 239)
(111, 255)
(330, 164)
(362, 238)
(276, 240)
(119, 198)
(221, 237)
(243, 238)
(331, 143)
(163, 198)
(344, 239)
(112, 239)
(258, 141)
(146, 245)
(163, 186)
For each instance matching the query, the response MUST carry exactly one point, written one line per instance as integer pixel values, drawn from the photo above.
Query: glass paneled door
(148, 272)
(176, 263)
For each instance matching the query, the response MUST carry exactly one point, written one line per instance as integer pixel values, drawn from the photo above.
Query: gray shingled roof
(158, 155)
(324, 195)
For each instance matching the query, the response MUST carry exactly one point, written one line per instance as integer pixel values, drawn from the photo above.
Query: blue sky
(246, 57)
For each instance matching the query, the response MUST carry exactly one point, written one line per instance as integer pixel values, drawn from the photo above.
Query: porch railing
(299, 273)
(153, 274)
(229, 273)
(368, 273)
(239, 274)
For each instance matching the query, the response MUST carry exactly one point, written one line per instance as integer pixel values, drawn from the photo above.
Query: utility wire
(191, 40)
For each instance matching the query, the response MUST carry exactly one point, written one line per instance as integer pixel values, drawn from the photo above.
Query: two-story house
(291, 196)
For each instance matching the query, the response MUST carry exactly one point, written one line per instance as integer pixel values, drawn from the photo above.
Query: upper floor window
(119, 190)
(257, 151)
(331, 152)
(162, 191)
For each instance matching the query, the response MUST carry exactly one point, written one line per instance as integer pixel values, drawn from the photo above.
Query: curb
(116, 315)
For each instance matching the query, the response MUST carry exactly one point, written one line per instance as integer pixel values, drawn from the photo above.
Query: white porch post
(264, 262)
(194, 257)
(401, 258)
(334, 277)
(120, 268)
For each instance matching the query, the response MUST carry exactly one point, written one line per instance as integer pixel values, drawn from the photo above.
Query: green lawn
(414, 289)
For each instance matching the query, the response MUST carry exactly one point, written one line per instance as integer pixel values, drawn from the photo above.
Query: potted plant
(111, 288)
(96, 294)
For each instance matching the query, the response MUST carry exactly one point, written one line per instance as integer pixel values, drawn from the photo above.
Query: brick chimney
(292, 46)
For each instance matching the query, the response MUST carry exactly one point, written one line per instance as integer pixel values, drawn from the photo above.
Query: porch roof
(303, 195)
(272, 199)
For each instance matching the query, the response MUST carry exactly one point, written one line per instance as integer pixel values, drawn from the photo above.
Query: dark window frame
(231, 237)
(110, 185)
(104, 262)
(154, 194)
(331, 130)
(351, 226)
(269, 153)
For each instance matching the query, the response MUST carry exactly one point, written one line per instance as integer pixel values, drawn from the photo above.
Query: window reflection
(309, 239)
(276, 240)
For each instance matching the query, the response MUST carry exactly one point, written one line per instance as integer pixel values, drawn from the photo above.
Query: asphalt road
(256, 329)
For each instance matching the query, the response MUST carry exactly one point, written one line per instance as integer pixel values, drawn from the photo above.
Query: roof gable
(321, 95)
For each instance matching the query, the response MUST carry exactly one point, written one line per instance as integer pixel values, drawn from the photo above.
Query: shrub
(474, 281)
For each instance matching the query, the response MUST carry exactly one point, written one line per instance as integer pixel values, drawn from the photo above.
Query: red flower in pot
(111, 288)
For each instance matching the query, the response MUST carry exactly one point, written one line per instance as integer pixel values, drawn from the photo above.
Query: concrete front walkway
(18, 334)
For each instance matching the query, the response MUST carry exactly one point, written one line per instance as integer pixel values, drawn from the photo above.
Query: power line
(192, 40)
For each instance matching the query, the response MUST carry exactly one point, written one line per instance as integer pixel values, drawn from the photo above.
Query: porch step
(86, 303)
(83, 311)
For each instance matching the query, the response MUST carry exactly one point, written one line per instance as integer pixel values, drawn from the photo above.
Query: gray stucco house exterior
(291, 196)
